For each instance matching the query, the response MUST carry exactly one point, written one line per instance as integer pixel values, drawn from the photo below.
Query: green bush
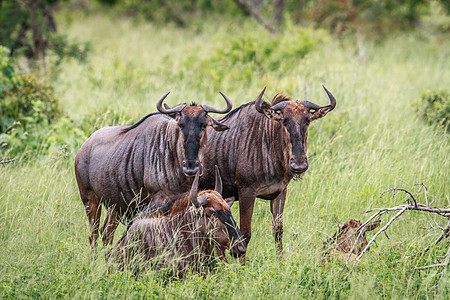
(30, 119)
(24, 98)
(246, 57)
(434, 108)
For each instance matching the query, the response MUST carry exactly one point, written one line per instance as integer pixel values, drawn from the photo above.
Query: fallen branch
(429, 267)
(6, 161)
(383, 229)
(411, 205)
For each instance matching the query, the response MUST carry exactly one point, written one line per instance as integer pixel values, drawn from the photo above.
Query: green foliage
(241, 59)
(434, 108)
(30, 117)
(29, 29)
(162, 11)
(371, 17)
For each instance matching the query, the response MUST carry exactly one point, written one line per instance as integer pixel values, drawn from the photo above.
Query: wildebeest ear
(320, 113)
(174, 115)
(201, 200)
(229, 201)
(216, 124)
(372, 225)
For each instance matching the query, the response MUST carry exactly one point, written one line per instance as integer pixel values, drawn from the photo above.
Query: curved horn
(310, 105)
(193, 192)
(218, 185)
(332, 99)
(168, 110)
(208, 108)
(259, 103)
(280, 105)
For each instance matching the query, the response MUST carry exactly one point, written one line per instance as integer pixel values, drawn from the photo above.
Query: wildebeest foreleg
(93, 212)
(277, 208)
(109, 226)
(246, 202)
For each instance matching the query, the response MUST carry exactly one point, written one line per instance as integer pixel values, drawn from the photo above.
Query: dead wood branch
(411, 205)
(253, 11)
(6, 161)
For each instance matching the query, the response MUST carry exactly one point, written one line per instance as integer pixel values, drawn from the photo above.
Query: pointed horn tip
(263, 90)
(261, 94)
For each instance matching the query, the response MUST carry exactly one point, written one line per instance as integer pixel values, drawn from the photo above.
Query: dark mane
(193, 103)
(139, 122)
(276, 99)
(234, 111)
(280, 98)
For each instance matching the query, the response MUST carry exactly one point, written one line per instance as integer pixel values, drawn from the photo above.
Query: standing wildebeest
(126, 167)
(198, 223)
(263, 150)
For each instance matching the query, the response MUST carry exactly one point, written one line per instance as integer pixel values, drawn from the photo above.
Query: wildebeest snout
(299, 166)
(238, 249)
(191, 167)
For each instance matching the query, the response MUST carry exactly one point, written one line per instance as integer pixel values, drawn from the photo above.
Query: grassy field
(372, 141)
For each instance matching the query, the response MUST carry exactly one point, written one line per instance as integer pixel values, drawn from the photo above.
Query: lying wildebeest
(351, 236)
(197, 224)
(263, 150)
(125, 167)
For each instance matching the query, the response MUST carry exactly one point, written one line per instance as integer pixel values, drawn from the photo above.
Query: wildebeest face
(192, 121)
(295, 118)
(215, 207)
(218, 209)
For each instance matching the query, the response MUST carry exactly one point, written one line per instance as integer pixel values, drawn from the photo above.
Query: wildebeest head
(193, 120)
(348, 234)
(295, 117)
(228, 235)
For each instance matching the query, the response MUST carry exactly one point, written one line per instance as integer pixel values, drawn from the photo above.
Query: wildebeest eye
(181, 125)
(285, 122)
(203, 126)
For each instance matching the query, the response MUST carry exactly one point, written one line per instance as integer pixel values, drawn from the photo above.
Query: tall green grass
(372, 141)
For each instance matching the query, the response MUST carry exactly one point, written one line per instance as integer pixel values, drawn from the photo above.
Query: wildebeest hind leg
(277, 208)
(93, 212)
(109, 226)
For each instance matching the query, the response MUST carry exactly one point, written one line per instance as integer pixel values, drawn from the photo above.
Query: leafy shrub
(27, 108)
(248, 56)
(373, 17)
(24, 99)
(435, 108)
(29, 29)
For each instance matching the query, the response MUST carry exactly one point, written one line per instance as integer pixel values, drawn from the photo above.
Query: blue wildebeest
(126, 167)
(263, 150)
(198, 224)
(350, 240)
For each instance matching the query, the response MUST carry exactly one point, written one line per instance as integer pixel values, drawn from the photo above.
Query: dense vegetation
(375, 139)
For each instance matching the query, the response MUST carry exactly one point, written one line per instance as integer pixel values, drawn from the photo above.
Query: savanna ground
(372, 141)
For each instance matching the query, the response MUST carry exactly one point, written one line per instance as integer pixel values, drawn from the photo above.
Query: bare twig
(444, 233)
(249, 9)
(373, 239)
(445, 212)
(6, 161)
(403, 190)
(411, 205)
(446, 262)
(429, 267)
